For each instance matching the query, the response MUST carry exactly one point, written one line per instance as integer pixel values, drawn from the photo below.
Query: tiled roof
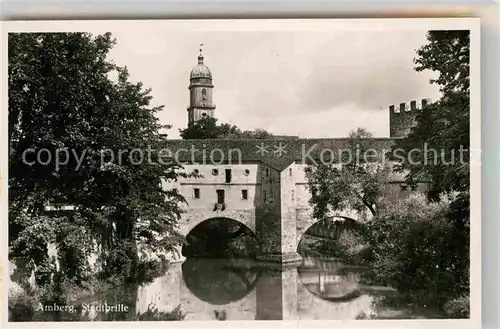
(277, 153)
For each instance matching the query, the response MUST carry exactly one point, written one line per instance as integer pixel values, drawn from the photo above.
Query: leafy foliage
(458, 307)
(207, 128)
(443, 125)
(419, 245)
(62, 97)
(357, 181)
(416, 249)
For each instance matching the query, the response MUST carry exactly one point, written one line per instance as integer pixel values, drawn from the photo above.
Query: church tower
(200, 92)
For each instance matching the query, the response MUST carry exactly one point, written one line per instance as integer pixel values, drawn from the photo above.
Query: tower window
(228, 175)
(290, 171)
(204, 92)
(204, 114)
(267, 172)
(215, 172)
(196, 193)
(244, 194)
(247, 172)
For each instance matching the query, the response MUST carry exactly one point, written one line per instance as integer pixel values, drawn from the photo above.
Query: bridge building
(262, 183)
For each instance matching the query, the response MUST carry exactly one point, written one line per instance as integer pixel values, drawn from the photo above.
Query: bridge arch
(215, 236)
(193, 218)
(329, 228)
(306, 220)
(332, 227)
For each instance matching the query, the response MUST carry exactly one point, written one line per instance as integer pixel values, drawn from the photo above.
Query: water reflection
(224, 289)
(331, 290)
(220, 289)
(209, 289)
(219, 281)
(330, 280)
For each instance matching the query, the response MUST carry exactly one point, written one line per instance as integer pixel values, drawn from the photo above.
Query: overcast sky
(308, 84)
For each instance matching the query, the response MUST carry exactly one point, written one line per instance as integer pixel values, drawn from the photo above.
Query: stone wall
(268, 211)
(288, 211)
(402, 117)
(194, 217)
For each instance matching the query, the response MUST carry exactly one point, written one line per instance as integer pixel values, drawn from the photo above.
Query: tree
(437, 248)
(443, 125)
(251, 134)
(207, 128)
(62, 99)
(414, 249)
(353, 182)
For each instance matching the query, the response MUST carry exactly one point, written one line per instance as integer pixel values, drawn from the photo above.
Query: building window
(215, 172)
(290, 171)
(204, 114)
(244, 194)
(267, 172)
(228, 175)
(265, 196)
(196, 193)
(247, 172)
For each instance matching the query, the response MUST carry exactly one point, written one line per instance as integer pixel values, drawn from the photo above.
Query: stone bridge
(267, 192)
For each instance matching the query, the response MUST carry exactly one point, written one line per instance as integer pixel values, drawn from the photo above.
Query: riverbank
(400, 303)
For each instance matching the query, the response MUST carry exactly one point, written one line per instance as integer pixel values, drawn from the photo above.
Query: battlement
(410, 106)
(402, 116)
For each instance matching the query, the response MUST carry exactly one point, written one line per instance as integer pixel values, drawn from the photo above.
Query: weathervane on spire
(200, 57)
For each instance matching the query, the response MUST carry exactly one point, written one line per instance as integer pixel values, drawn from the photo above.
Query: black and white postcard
(317, 173)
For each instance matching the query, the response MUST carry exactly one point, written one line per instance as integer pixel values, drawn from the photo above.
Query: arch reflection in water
(219, 281)
(330, 280)
(224, 289)
(332, 290)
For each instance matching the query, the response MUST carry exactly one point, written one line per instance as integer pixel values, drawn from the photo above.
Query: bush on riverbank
(353, 248)
(458, 308)
(349, 247)
(419, 251)
(26, 305)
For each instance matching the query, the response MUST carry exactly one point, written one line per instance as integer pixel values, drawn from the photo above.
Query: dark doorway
(221, 196)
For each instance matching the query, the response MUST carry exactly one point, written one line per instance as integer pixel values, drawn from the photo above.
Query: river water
(225, 289)
(242, 289)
